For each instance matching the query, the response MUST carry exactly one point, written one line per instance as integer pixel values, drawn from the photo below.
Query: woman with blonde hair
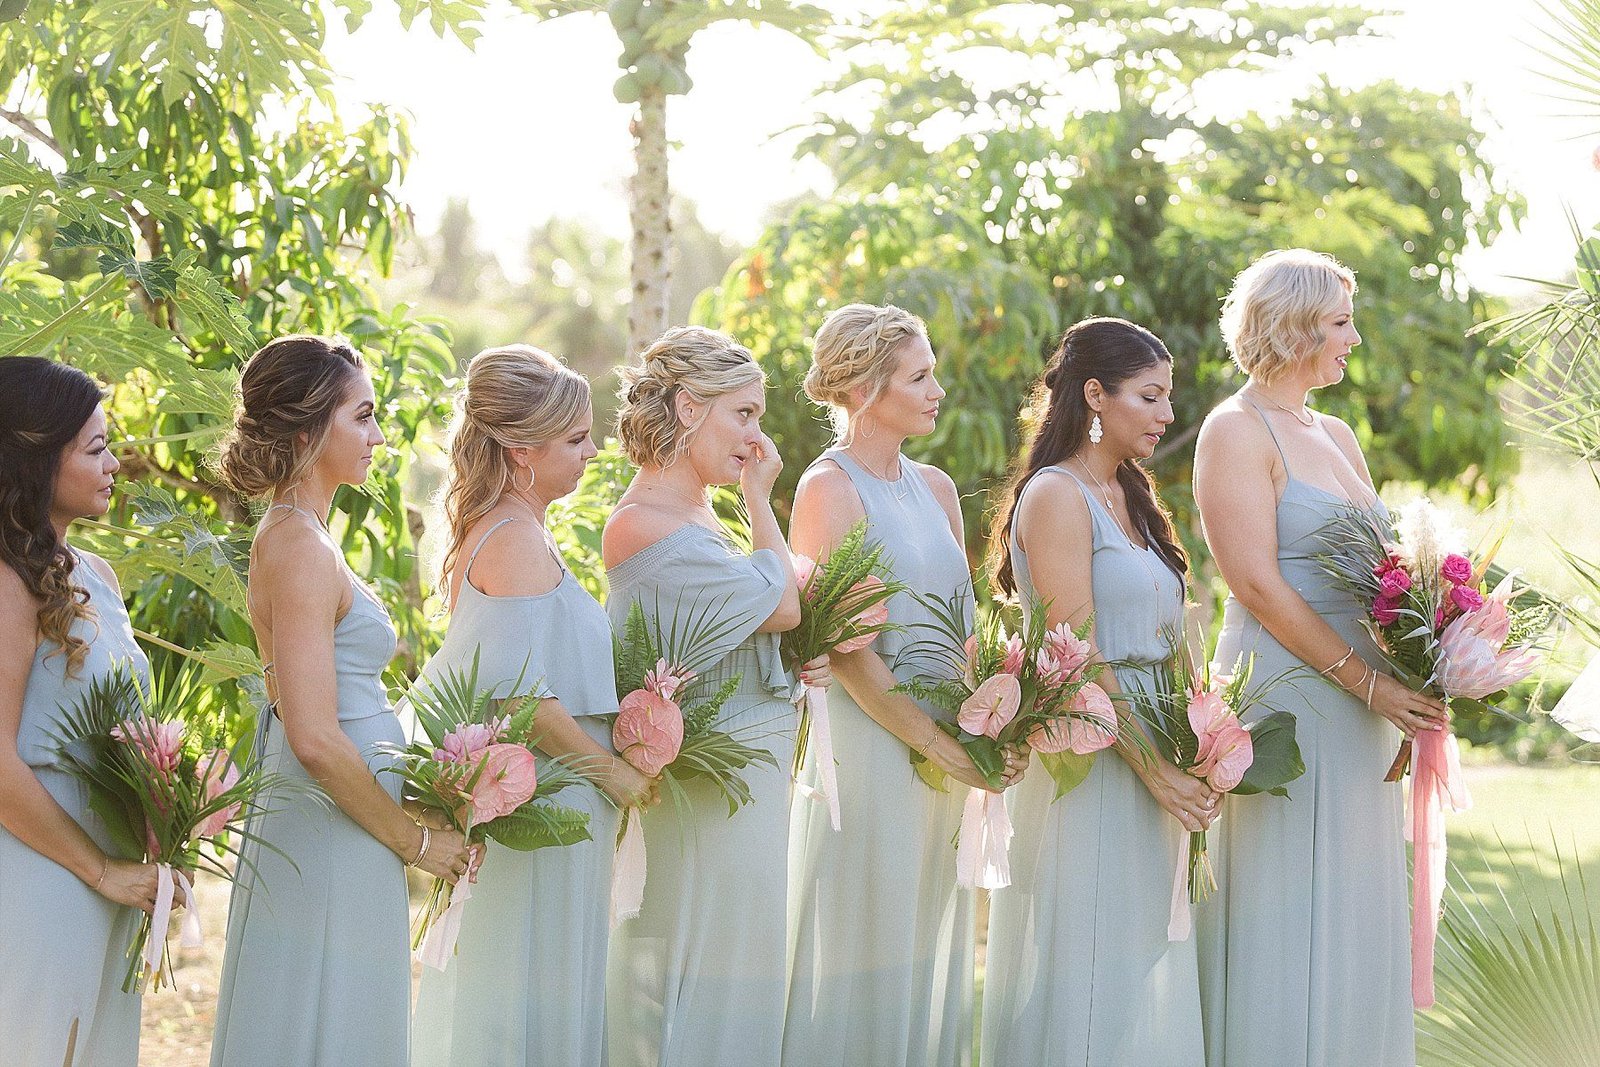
(880, 936)
(68, 902)
(316, 968)
(697, 979)
(527, 983)
(1304, 948)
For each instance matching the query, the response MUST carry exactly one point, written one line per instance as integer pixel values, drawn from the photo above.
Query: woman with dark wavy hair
(1080, 968)
(67, 902)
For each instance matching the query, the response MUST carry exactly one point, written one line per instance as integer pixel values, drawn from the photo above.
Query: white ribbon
(819, 739)
(439, 943)
(983, 847)
(628, 870)
(189, 935)
(1180, 922)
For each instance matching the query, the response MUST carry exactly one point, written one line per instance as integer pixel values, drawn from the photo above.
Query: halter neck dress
(880, 937)
(527, 983)
(317, 968)
(697, 979)
(1305, 948)
(1080, 971)
(62, 945)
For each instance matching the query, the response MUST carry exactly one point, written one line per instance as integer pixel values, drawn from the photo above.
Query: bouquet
(664, 725)
(1443, 634)
(162, 782)
(1196, 718)
(475, 767)
(1033, 688)
(844, 606)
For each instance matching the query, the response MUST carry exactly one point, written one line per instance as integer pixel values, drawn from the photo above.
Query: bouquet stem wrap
(820, 741)
(983, 850)
(439, 944)
(1436, 784)
(628, 870)
(189, 931)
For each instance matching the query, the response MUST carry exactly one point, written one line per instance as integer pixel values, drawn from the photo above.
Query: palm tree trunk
(648, 210)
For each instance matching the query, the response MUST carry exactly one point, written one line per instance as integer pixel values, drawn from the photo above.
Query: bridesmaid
(67, 902)
(880, 938)
(527, 985)
(697, 980)
(316, 969)
(1305, 949)
(1080, 969)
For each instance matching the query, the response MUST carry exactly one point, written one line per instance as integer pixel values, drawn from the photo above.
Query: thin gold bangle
(1328, 671)
(423, 850)
(922, 750)
(1372, 684)
(105, 868)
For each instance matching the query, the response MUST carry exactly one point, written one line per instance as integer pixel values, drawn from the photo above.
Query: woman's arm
(298, 584)
(756, 484)
(1234, 463)
(1053, 513)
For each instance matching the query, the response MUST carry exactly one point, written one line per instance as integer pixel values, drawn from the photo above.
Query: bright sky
(526, 128)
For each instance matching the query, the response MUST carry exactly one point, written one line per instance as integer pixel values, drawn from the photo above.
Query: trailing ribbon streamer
(983, 850)
(1436, 784)
(819, 739)
(189, 931)
(628, 870)
(1180, 920)
(439, 944)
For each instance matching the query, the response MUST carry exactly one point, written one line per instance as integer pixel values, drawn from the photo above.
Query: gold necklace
(1310, 416)
(1143, 551)
(896, 485)
(685, 497)
(1110, 508)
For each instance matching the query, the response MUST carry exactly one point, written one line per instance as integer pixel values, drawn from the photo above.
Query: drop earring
(1096, 431)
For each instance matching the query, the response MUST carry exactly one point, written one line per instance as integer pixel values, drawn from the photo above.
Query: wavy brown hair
(43, 406)
(1109, 351)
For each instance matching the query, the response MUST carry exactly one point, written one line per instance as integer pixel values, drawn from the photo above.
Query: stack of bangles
(1369, 675)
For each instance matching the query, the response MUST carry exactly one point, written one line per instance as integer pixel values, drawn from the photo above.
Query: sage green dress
(1080, 971)
(62, 945)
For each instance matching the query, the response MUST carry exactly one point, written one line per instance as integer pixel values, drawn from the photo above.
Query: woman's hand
(949, 756)
(1405, 707)
(135, 885)
(628, 787)
(761, 470)
(816, 674)
(450, 857)
(1188, 799)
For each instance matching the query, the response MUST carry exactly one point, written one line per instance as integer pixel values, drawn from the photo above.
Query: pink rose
(649, 731)
(1226, 757)
(667, 679)
(1466, 598)
(1456, 569)
(507, 781)
(466, 742)
(1015, 655)
(217, 775)
(1394, 583)
(1093, 725)
(804, 569)
(876, 615)
(1383, 611)
(160, 743)
(992, 707)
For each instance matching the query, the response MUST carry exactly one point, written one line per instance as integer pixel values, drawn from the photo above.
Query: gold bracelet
(932, 737)
(423, 851)
(105, 868)
(1372, 684)
(1328, 671)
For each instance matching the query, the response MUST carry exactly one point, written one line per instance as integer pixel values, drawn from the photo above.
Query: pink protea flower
(667, 679)
(1473, 661)
(1068, 651)
(876, 615)
(804, 569)
(649, 731)
(507, 781)
(1456, 569)
(1093, 725)
(466, 742)
(1225, 755)
(217, 775)
(992, 706)
(160, 743)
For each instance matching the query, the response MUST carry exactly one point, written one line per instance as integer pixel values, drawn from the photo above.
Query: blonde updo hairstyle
(856, 351)
(692, 361)
(292, 386)
(1271, 318)
(516, 396)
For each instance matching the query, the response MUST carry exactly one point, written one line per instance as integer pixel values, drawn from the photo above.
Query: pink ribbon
(1436, 785)
(819, 740)
(628, 870)
(189, 935)
(983, 846)
(1180, 917)
(439, 943)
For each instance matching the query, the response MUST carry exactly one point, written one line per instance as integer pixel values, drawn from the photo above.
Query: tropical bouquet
(1196, 719)
(844, 606)
(664, 728)
(474, 767)
(164, 784)
(1443, 632)
(1033, 688)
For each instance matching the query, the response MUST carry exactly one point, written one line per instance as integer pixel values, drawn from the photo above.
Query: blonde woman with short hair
(527, 982)
(1305, 951)
(697, 979)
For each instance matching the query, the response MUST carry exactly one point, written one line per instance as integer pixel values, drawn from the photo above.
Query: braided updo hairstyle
(855, 351)
(292, 386)
(692, 360)
(43, 407)
(1109, 351)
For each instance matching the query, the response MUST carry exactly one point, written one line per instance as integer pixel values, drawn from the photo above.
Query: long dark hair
(1109, 351)
(43, 406)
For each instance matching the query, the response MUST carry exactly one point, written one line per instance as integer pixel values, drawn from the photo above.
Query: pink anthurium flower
(507, 781)
(649, 731)
(992, 706)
